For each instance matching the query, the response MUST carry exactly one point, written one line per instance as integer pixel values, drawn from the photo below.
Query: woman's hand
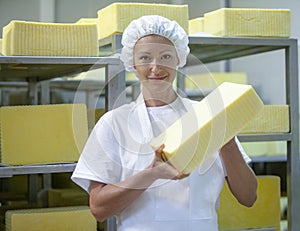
(163, 168)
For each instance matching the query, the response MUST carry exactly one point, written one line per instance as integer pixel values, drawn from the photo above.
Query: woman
(121, 172)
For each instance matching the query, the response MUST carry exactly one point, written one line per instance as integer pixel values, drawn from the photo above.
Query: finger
(160, 154)
(163, 156)
(160, 149)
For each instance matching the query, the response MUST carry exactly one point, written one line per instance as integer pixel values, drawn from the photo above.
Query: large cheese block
(67, 197)
(265, 148)
(116, 17)
(87, 20)
(93, 117)
(196, 25)
(265, 213)
(51, 219)
(248, 22)
(50, 39)
(209, 125)
(273, 119)
(0, 48)
(41, 134)
(211, 80)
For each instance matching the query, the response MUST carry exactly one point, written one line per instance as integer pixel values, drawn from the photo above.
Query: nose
(155, 66)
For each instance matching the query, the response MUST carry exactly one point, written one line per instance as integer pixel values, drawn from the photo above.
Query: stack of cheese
(65, 218)
(246, 22)
(116, 17)
(42, 134)
(49, 39)
(209, 125)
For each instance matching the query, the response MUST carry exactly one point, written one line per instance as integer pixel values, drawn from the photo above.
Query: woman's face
(155, 60)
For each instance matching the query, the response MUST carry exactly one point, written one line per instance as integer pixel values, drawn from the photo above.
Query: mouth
(157, 78)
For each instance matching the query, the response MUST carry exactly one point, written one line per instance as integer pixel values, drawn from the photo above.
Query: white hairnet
(153, 24)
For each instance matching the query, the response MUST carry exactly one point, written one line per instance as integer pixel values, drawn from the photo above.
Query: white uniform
(118, 147)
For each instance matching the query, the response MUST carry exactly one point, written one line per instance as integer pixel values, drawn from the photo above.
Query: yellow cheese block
(51, 219)
(211, 80)
(265, 148)
(42, 134)
(67, 197)
(265, 213)
(116, 17)
(93, 116)
(273, 119)
(248, 22)
(209, 125)
(50, 39)
(196, 25)
(87, 20)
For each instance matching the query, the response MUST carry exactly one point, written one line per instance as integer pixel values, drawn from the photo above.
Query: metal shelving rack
(213, 49)
(35, 70)
(206, 49)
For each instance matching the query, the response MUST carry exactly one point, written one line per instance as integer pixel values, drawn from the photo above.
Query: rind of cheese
(41, 134)
(234, 216)
(65, 218)
(248, 22)
(211, 80)
(196, 25)
(116, 17)
(209, 125)
(50, 39)
(273, 119)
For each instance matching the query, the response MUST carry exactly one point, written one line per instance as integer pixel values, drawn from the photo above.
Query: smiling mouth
(157, 78)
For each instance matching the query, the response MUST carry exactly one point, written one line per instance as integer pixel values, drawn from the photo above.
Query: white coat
(118, 147)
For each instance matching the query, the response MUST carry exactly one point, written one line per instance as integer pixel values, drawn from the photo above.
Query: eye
(166, 57)
(145, 58)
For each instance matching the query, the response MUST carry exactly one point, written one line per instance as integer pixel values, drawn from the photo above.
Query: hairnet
(153, 24)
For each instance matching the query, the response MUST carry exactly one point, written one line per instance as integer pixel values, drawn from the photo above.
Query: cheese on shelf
(211, 80)
(87, 20)
(265, 213)
(273, 119)
(41, 134)
(265, 148)
(47, 219)
(93, 116)
(116, 17)
(248, 22)
(67, 197)
(0, 48)
(196, 25)
(25, 38)
(209, 125)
